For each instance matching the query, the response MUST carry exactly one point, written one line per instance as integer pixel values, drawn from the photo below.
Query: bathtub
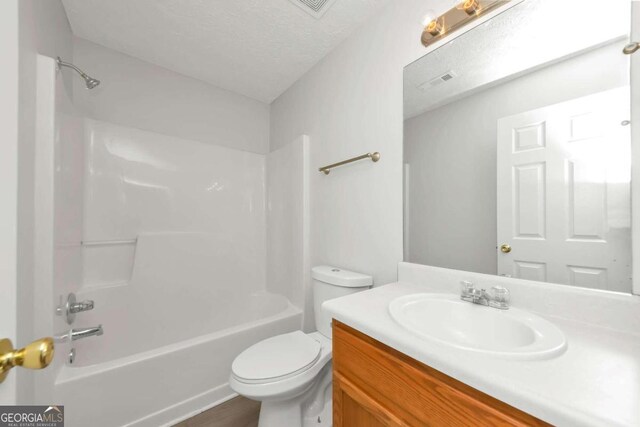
(168, 237)
(127, 385)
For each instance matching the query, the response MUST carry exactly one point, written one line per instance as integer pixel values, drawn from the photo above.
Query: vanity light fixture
(456, 18)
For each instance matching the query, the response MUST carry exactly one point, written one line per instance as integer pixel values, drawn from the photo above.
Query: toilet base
(313, 408)
(285, 413)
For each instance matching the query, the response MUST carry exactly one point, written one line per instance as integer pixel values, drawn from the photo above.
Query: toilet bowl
(285, 372)
(291, 373)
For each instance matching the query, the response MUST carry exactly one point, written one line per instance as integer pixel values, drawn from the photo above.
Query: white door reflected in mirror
(564, 193)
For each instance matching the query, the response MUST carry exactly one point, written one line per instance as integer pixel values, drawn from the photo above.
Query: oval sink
(512, 333)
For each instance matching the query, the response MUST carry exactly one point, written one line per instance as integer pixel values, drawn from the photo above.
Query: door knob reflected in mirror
(37, 355)
(505, 249)
(631, 48)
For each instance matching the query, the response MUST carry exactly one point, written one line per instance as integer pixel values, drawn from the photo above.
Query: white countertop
(595, 382)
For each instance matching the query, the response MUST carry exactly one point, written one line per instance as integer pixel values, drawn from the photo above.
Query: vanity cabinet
(375, 385)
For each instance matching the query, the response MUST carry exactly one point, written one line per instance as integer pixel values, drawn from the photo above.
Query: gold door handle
(36, 355)
(505, 249)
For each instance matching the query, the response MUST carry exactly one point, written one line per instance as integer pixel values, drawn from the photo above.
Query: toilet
(291, 373)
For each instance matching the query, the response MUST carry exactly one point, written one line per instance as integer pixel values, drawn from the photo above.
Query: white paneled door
(635, 137)
(564, 196)
(8, 184)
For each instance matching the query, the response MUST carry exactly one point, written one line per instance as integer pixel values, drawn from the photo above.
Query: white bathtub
(166, 384)
(168, 237)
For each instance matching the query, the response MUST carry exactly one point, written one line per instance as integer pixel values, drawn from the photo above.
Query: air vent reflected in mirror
(449, 75)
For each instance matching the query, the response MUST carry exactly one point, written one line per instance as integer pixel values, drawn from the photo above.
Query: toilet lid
(280, 356)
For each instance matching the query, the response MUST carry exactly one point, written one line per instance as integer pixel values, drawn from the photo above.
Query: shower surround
(170, 238)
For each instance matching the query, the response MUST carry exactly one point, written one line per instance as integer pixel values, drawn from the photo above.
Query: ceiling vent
(449, 75)
(315, 8)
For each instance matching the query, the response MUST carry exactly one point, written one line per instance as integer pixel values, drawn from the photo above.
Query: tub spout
(76, 334)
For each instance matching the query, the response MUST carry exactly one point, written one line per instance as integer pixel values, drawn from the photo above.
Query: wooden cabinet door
(353, 408)
(375, 385)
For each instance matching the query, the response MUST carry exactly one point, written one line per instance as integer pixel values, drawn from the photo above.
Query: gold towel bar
(375, 156)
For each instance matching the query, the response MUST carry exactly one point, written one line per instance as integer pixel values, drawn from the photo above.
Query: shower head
(89, 81)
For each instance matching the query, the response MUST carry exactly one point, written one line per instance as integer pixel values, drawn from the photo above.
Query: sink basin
(512, 333)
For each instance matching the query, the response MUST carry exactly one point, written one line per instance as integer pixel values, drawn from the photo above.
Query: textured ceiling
(254, 47)
(532, 34)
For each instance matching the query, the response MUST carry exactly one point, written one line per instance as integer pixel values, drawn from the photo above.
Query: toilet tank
(333, 282)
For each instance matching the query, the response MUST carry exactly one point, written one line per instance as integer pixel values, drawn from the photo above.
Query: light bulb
(434, 27)
(428, 17)
(470, 6)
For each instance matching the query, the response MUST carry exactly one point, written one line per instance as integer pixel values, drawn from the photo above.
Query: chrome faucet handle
(466, 288)
(71, 307)
(500, 297)
(81, 306)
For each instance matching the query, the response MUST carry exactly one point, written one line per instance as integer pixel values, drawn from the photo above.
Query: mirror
(517, 147)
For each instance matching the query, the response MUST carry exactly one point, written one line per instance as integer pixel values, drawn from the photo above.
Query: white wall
(349, 104)
(145, 96)
(452, 196)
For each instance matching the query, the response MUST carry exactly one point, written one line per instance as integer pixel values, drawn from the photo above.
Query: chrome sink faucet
(496, 297)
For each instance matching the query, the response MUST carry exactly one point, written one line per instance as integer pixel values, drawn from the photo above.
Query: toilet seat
(277, 358)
